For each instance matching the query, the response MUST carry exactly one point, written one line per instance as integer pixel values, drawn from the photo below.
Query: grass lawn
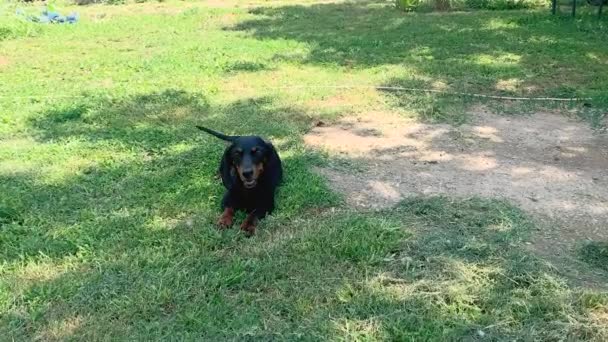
(108, 196)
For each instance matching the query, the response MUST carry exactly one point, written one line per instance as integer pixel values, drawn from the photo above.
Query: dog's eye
(256, 151)
(237, 154)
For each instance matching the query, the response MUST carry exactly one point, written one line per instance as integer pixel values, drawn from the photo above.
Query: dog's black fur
(251, 170)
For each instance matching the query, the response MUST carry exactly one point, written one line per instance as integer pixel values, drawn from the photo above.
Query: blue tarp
(50, 17)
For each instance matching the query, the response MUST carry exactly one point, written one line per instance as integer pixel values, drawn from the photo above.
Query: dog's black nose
(247, 174)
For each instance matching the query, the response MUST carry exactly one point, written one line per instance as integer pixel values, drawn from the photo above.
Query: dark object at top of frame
(597, 2)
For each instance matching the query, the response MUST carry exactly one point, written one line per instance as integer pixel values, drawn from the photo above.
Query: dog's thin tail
(225, 137)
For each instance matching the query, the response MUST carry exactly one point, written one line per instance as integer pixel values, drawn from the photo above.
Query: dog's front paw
(225, 221)
(248, 226)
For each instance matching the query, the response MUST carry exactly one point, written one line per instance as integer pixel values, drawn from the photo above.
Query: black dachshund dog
(251, 171)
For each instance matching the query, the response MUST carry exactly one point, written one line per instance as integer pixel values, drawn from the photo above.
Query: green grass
(108, 196)
(596, 254)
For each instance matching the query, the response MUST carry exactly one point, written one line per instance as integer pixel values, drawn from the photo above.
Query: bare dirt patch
(3, 61)
(553, 167)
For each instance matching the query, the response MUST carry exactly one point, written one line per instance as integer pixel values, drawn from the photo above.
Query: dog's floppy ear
(273, 168)
(227, 170)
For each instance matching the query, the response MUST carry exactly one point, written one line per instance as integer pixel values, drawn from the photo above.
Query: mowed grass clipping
(108, 195)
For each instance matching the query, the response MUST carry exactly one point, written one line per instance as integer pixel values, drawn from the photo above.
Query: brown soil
(553, 167)
(3, 61)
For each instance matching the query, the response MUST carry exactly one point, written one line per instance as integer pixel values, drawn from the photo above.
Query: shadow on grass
(509, 53)
(135, 181)
(161, 119)
(596, 254)
(429, 269)
(125, 163)
(245, 66)
(125, 247)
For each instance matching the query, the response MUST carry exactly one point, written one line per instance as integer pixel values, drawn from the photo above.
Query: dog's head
(247, 157)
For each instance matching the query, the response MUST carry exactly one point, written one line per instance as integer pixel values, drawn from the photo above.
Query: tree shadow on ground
(548, 165)
(136, 178)
(136, 157)
(497, 52)
(431, 268)
(126, 248)
(161, 119)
